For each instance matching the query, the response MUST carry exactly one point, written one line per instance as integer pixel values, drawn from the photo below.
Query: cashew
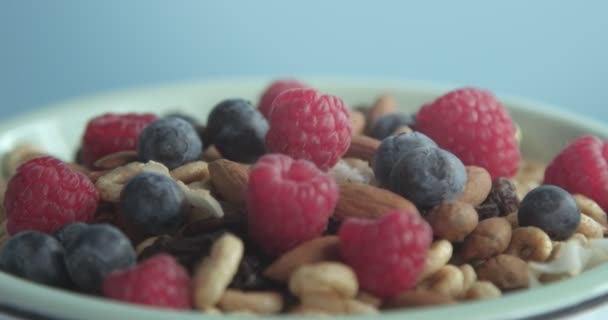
(144, 244)
(530, 243)
(504, 271)
(478, 186)
(469, 276)
(513, 219)
(324, 278)
(448, 281)
(418, 298)
(482, 290)
(214, 273)
(453, 220)
(357, 119)
(115, 160)
(490, 237)
(336, 305)
(369, 298)
(191, 172)
(212, 154)
(590, 228)
(439, 254)
(255, 302)
(591, 209)
(202, 199)
(111, 183)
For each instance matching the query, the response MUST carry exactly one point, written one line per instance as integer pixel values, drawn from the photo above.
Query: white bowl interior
(58, 129)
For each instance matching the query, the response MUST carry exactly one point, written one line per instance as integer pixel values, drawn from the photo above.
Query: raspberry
(158, 281)
(273, 90)
(45, 194)
(306, 124)
(288, 202)
(387, 254)
(111, 133)
(581, 167)
(472, 124)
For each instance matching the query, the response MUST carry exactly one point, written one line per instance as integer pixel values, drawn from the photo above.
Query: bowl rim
(586, 285)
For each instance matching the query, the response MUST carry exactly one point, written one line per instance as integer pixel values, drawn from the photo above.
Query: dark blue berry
(69, 232)
(96, 253)
(170, 141)
(35, 256)
(154, 203)
(388, 124)
(392, 148)
(551, 209)
(428, 176)
(237, 130)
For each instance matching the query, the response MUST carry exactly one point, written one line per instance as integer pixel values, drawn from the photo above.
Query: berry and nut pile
(302, 206)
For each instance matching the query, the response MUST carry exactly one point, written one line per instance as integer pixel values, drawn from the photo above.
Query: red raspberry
(473, 125)
(288, 202)
(275, 88)
(45, 194)
(306, 124)
(111, 133)
(582, 167)
(157, 281)
(387, 254)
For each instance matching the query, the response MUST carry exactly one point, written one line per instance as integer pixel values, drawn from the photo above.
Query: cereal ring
(530, 243)
(438, 256)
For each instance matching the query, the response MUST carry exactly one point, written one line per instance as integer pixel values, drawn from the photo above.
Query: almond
(115, 160)
(384, 105)
(358, 120)
(229, 179)
(362, 147)
(316, 250)
(365, 201)
(212, 154)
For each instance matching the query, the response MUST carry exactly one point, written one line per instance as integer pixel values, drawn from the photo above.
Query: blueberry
(428, 176)
(67, 233)
(170, 141)
(237, 130)
(96, 253)
(388, 124)
(35, 256)
(153, 203)
(551, 209)
(392, 148)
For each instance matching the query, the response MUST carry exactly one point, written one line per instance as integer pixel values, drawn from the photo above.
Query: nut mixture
(479, 248)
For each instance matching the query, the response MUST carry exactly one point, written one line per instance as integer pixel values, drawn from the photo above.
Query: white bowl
(58, 128)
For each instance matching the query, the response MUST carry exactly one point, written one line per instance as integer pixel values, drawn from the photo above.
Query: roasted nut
(202, 199)
(402, 129)
(490, 237)
(452, 220)
(439, 254)
(469, 276)
(482, 290)
(336, 305)
(591, 208)
(229, 179)
(369, 298)
(111, 183)
(358, 120)
(18, 155)
(327, 278)
(513, 220)
(191, 172)
(115, 160)
(418, 298)
(316, 250)
(214, 273)
(530, 243)
(362, 147)
(385, 104)
(479, 184)
(255, 302)
(212, 154)
(590, 228)
(144, 244)
(504, 271)
(448, 281)
(364, 201)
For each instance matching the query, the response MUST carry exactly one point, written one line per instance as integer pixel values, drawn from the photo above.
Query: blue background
(553, 51)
